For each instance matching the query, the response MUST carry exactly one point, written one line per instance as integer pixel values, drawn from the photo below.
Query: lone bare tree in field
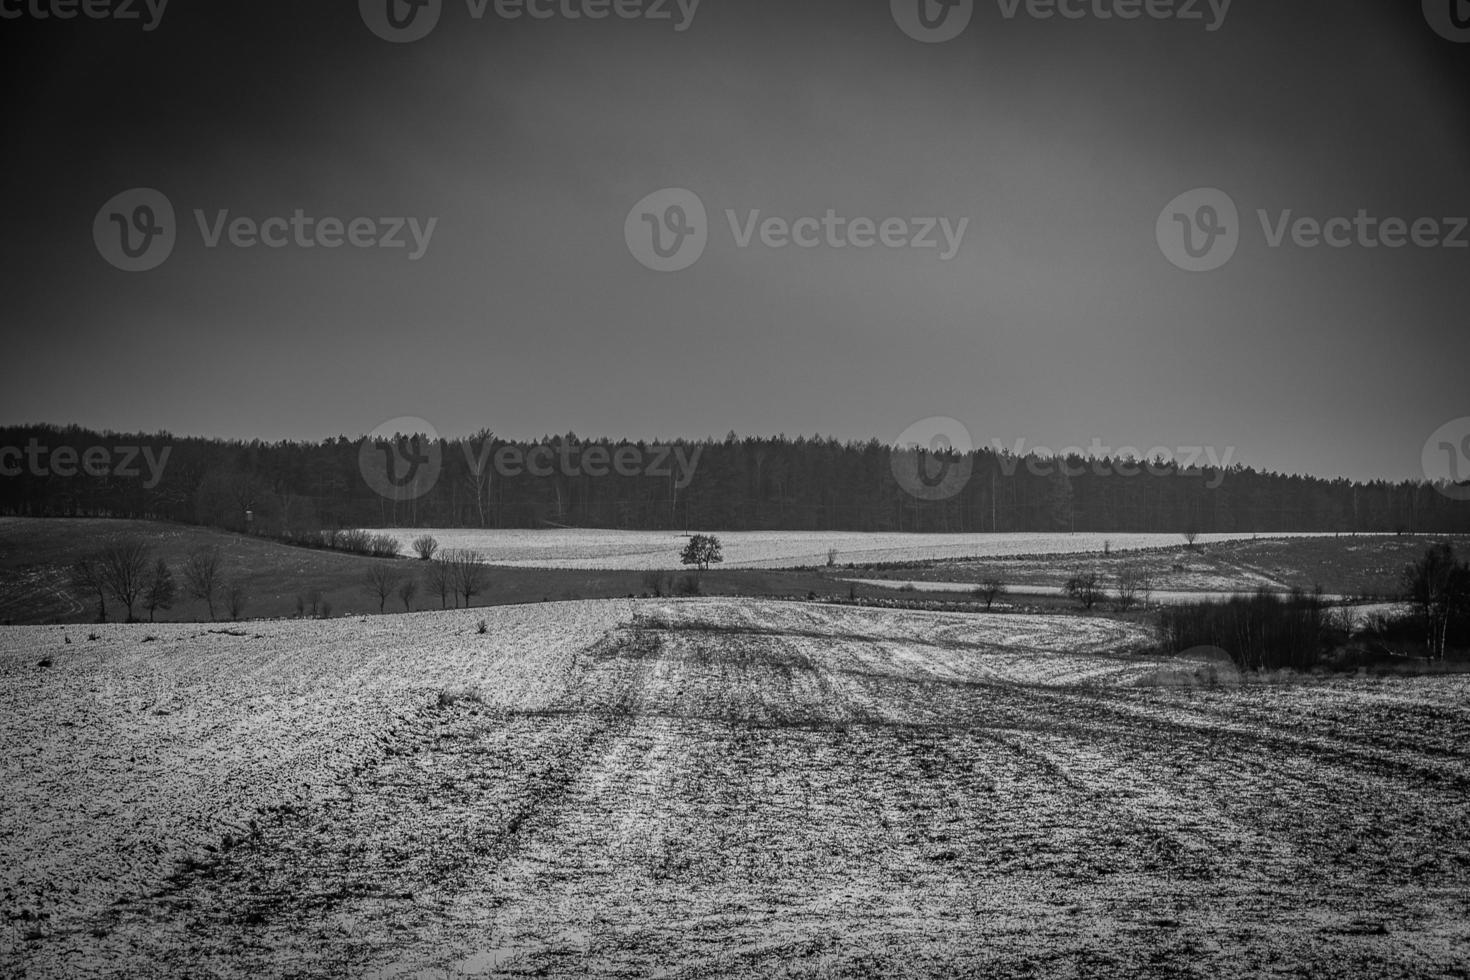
(235, 599)
(1125, 597)
(425, 547)
(160, 591)
(990, 590)
(125, 570)
(380, 580)
(202, 577)
(467, 572)
(441, 581)
(1190, 537)
(86, 574)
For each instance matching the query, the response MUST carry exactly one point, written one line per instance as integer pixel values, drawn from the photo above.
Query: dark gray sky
(1059, 321)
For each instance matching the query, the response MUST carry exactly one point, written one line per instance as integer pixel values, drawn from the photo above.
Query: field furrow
(725, 788)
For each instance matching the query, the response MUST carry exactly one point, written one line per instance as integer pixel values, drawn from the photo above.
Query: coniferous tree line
(293, 490)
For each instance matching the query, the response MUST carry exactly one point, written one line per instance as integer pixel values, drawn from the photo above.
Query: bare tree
(1125, 596)
(467, 572)
(1190, 537)
(125, 569)
(86, 574)
(235, 599)
(441, 581)
(407, 590)
(990, 590)
(160, 590)
(202, 575)
(425, 547)
(380, 580)
(1146, 587)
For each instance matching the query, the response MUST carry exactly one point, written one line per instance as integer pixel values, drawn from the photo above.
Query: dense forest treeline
(294, 489)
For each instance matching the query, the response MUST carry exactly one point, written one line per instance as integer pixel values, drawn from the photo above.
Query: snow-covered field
(640, 550)
(703, 788)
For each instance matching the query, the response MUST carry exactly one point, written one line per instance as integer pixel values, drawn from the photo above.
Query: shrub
(357, 542)
(1086, 589)
(383, 546)
(425, 547)
(660, 583)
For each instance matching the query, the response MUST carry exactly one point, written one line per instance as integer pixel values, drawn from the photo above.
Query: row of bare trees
(125, 570)
(1131, 588)
(456, 574)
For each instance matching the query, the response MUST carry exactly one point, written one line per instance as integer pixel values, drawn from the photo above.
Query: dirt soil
(711, 788)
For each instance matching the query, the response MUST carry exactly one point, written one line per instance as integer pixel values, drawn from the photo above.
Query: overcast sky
(1058, 321)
